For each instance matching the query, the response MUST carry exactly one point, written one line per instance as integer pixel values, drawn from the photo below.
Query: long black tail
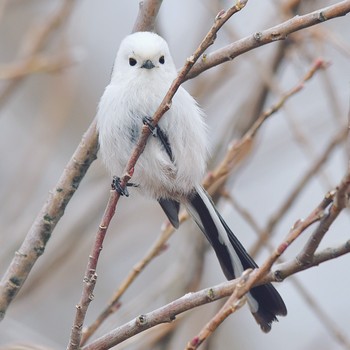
(264, 301)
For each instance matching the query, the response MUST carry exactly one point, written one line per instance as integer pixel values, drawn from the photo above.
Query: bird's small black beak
(148, 64)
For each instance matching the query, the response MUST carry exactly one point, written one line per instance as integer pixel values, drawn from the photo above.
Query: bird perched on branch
(173, 163)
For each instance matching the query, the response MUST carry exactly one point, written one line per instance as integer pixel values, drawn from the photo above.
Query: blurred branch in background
(37, 64)
(32, 58)
(266, 234)
(32, 47)
(34, 244)
(147, 15)
(279, 32)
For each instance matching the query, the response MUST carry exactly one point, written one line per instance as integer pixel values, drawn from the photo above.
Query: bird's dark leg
(162, 136)
(116, 186)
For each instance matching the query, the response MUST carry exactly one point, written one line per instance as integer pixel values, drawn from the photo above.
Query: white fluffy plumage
(134, 93)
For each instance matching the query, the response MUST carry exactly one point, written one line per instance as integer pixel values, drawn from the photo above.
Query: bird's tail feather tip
(265, 317)
(263, 323)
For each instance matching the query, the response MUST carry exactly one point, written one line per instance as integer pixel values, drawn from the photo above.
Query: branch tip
(240, 4)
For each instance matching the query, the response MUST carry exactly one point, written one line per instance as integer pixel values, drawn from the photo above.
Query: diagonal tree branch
(341, 200)
(271, 35)
(316, 166)
(34, 243)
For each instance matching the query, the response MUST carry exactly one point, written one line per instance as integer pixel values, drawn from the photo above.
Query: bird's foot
(149, 122)
(116, 186)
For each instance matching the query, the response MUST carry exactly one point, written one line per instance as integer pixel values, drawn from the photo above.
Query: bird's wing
(171, 209)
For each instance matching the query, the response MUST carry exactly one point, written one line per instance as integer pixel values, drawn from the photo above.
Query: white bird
(173, 163)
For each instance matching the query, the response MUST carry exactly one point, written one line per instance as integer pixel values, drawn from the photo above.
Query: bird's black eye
(132, 61)
(161, 59)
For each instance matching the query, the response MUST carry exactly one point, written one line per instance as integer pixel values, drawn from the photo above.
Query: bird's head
(146, 54)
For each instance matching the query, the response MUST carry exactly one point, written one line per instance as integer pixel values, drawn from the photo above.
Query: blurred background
(46, 106)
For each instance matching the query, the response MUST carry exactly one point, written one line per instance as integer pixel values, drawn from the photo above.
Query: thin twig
(90, 277)
(39, 63)
(113, 305)
(340, 202)
(233, 303)
(291, 267)
(241, 148)
(318, 163)
(279, 32)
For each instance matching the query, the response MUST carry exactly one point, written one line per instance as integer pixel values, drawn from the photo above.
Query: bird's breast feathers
(120, 119)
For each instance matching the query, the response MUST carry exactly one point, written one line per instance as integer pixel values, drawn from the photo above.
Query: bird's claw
(116, 186)
(149, 122)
